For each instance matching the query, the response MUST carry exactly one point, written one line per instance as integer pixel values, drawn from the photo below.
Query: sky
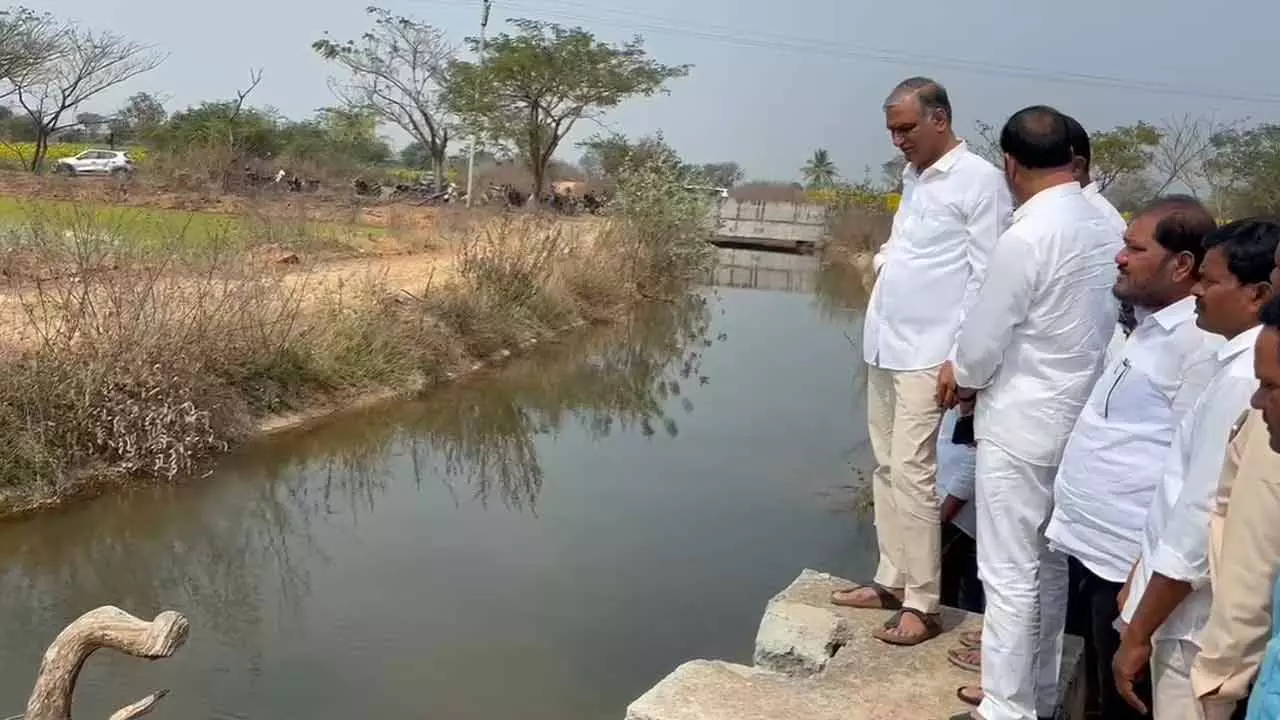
(772, 80)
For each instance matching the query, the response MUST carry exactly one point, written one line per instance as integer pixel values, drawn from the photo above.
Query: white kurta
(948, 221)
(1034, 342)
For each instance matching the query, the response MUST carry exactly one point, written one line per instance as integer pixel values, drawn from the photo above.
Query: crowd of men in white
(1121, 488)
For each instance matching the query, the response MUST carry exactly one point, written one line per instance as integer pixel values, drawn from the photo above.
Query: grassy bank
(142, 358)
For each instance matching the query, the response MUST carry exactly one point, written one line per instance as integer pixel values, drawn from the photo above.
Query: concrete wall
(766, 223)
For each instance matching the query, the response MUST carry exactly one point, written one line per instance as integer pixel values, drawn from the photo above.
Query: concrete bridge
(801, 227)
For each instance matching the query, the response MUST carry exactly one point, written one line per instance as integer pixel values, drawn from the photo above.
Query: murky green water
(544, 541)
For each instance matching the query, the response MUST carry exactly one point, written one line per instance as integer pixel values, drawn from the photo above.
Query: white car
(96, 162)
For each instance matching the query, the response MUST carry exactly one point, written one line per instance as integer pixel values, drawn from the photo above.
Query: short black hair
(929, 92)
(1269, 315)
(1250, 247)
(1036, 137)
(1183, 226)
(1079, 139)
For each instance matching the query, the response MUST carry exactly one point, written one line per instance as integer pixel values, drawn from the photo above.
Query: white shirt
(1113, 459)
(957, 465)
(1036, 336)
(930, 269)
(1094, 195)
(1175, 541)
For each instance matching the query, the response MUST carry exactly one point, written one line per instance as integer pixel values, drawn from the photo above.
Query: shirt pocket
(1139, 385)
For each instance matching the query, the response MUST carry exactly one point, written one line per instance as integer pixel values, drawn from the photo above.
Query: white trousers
(1171, 693)
(903, 417)
(1025, 584)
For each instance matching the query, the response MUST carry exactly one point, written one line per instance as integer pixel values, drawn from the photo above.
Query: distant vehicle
(719, 192)
(96, 162)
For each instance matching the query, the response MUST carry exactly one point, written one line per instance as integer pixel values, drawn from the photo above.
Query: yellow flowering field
(11, 153)
(845, 196)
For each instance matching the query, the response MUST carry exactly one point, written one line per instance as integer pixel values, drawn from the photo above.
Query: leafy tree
(140, 115)
(1246, 166)
(891, 173)
(398, 70)
(607, 156)
(722, 174)
(225, 123)
(820, 171)
(535, 85)
(1124, 152)
(85, 64)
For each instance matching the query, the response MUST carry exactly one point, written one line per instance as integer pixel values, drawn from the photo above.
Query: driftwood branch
(105, 627)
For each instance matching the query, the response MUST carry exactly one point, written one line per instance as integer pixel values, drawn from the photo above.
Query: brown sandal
(884, 596)
(968, 699)
(971, 639)
(932, 629)
(963, 658)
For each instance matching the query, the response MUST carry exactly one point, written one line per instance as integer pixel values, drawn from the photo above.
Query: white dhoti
(1025, 584)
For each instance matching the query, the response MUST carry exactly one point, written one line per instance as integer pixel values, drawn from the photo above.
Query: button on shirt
(930, 269)
(1036, 335)
(1115, 455)
(1094, 195)
(1175, 541)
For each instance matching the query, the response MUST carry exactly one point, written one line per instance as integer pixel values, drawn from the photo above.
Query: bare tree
(237, 106)
(987, 143)
(1184, 152)
(28, 41)
(85, 64)
(397, 70)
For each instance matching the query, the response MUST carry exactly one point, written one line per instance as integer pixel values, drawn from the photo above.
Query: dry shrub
(858, 230)
(506, 288)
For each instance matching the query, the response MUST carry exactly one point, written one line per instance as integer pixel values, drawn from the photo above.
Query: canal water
(543, 541)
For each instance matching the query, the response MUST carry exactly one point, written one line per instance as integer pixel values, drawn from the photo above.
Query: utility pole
(471, 154)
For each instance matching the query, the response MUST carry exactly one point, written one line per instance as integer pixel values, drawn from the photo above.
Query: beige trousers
(903, 418)
(1172, 695)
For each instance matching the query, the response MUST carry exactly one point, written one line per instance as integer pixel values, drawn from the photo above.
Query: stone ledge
(816, 661)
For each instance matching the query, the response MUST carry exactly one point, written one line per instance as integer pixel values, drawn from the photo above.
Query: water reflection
(479, 435)
(840, 289)
(575, 523)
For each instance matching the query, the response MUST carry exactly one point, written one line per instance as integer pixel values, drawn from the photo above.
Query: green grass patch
(158, 228)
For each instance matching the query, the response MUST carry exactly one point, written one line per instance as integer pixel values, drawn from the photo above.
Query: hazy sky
(772, 79)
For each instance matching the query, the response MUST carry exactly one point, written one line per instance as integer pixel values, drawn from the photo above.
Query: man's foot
(971, 639)
(912, 628)
(966, 658)
(867, 597)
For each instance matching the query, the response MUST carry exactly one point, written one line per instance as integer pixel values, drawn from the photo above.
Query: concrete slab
(819, 662)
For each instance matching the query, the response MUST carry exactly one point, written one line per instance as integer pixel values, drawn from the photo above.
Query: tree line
(1232, 166)
(534, 84)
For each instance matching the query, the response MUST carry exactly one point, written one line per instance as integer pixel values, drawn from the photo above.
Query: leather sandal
(932, 628)
(885, 599)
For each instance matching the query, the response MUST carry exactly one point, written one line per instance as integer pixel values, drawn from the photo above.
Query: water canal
(543, 541)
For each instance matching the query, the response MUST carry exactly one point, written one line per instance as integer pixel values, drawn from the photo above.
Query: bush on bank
(142, 360)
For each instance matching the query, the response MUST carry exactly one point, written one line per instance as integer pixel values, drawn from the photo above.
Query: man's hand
(951, 507)
(947, 386)
(1129, 665)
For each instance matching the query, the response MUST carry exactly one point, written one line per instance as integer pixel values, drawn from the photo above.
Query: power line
(632, 20)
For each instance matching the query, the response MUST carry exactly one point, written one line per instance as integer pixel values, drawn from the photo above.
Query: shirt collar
(1171, 316)
(944, 163)
(1238, 344)
(1066, 189)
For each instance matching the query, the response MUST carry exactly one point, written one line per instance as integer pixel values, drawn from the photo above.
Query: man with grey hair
(954, 207)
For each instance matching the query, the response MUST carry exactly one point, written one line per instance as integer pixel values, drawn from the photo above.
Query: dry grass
(141, 360)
